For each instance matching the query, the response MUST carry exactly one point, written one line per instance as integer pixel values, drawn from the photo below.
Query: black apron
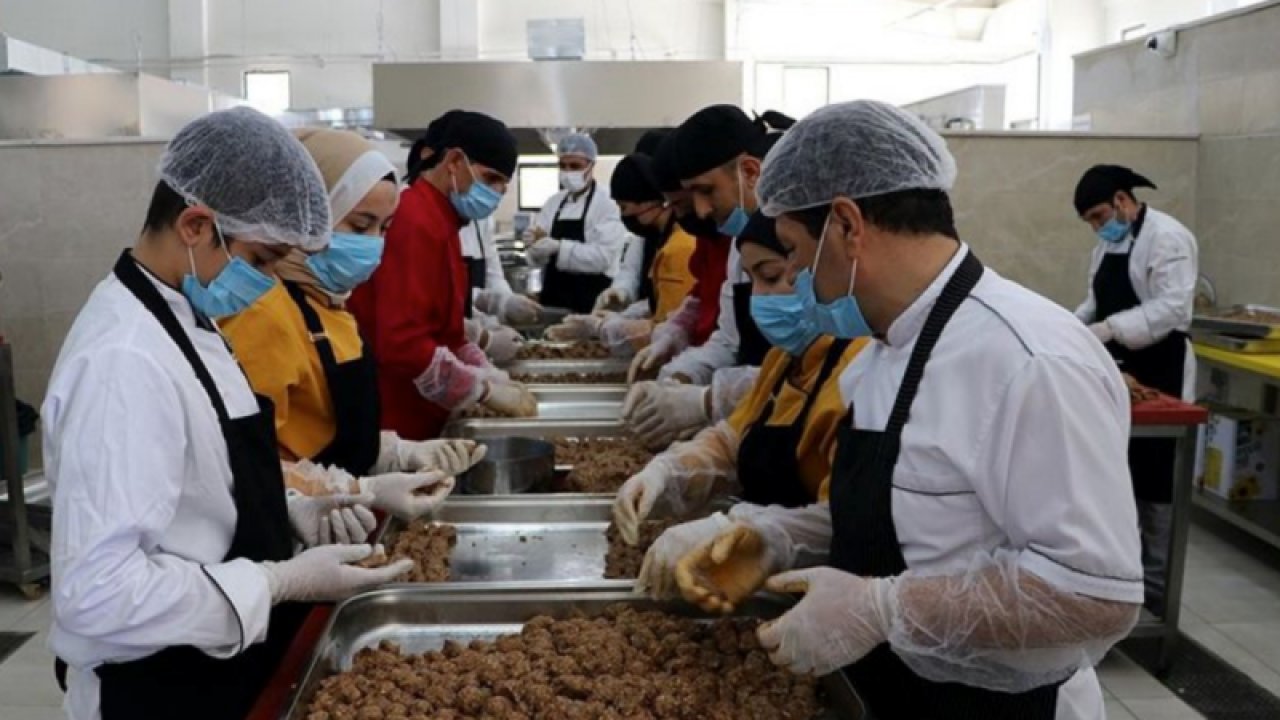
(653, 244)
(184, 677)
(767, 467)
(476, 269)
(563, 289)
(865, 542)
(752, 345)
(353, 390)
(1159, 366)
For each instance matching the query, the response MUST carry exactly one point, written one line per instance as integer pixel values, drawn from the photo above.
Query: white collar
(176, 301)
(911, 321)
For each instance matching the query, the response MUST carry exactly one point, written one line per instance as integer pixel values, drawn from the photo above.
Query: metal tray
(481, 428)
(1239, 328)
(419, 620)
(552, 368)
(1245, 346)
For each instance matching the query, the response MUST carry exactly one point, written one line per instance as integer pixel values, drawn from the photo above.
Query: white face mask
(573, 180)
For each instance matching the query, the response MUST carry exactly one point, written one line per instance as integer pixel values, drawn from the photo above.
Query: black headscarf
(761, 230)
(1100, 184)
(717, 134)
(431, 139)
(633, 180)
(650, 140)
(484, 139)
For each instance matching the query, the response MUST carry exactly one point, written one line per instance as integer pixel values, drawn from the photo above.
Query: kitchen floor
(1231, 607)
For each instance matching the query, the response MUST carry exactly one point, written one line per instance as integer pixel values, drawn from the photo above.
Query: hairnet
(633, 180)
(1100, 183)
(254, 174)
(856, 149)
(577, 144)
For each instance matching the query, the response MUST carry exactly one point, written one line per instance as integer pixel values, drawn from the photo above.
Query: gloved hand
(659, 413)
(575, 327)
(657, 576)
(519, 310)
(451, 457)
(841, 618)
(625, 336)
(408, 496)
(543, 251)
(1102, 331)
(648, 361)
(327, 519)
(612, 299)
(635, 500)
(720, 574)
(325, 574)
(501, 344)
(511, 399)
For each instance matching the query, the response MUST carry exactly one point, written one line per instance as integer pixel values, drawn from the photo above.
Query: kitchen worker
(175, 583)
(654, 278)
(776, 447)
(983, 544)
(301, 349)
(578, 236)
(411, 310)
(1142, 286)
(717, 154)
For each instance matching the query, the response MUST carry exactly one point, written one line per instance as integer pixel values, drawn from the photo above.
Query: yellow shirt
(271, 341)
(816, 450)
(670, 274)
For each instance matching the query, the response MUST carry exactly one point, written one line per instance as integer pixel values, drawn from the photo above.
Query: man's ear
(195, 227)
(851, 225)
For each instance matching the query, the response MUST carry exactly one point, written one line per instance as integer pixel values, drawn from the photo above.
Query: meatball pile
(625, 664)
(429, 546)
(584, 350)
(600, 465)
(623, 561)
(571, 378)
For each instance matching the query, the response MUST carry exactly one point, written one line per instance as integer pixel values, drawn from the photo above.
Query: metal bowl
(511, 466)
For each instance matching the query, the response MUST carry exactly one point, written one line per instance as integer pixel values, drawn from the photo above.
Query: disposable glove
(659, 413)
(518, 310)
(1103, 332)
(663, 479)
(501, 344)
(543, 251)
(451, 456)
(325, 574)
(649, 360)
(657, 576)
(718, 575)
(511, 399)
(841, 618)
(625, 336)
(613, 299)
(576, 327)
(408, 496)
(326, 519)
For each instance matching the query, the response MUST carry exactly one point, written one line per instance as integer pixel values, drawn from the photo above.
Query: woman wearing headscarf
(301, 347)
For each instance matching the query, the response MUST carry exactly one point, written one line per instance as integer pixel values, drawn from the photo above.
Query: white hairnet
(856, 150)
(577, 144)
(254, 174)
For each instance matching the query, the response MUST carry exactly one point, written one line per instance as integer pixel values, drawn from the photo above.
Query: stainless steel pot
(512, 465)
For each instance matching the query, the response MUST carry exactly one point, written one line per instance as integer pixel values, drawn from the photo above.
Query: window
(804, 89)
(536, 183)
(267, 91)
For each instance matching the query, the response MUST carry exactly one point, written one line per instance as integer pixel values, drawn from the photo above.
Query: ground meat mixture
(623, 561)
(572, 378)
(585, 350)
(429, 546)
(1253, 315)
(600, 465)
(479, 412)
(624, 664)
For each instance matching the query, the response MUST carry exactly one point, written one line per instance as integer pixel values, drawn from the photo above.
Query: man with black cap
(411, 311)
(1142, 284)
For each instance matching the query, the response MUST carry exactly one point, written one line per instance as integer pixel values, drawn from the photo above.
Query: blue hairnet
(254, 174)
(856, 149)
(577, 144)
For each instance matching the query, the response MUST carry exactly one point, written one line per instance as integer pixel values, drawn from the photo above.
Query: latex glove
(841, 618)
(451, 457)
(408, 496)
(575, 327)
(1103, 332)
(519, 310)
(659, 413)
(720, 574)
(613, 299)
(325, 574)
(635, 500)
(657, 576)
(659, 352)
(501, 344)
(326, 519)
(543, 251)
(511, 399)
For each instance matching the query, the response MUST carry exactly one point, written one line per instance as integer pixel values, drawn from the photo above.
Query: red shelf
(1166, 410)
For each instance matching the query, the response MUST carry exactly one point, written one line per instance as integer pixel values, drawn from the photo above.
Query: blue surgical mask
(782, 321)
(348, 261)
(1115, 231)
(478, 202)
(841, 318)
(235, 288)
(737, 220)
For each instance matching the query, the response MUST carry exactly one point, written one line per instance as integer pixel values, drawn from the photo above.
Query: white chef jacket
(473, 246)
(142, 504)
(1017, 439)
(699, 364)
(630, 268)
(606, 236)
(1163, 268)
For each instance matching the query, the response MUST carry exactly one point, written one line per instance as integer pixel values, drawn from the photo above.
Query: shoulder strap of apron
(834, 353)
(955, 292)
(315, 328)
(131, 276)
(585, 207)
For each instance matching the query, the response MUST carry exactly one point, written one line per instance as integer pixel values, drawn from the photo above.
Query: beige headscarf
(351, 166)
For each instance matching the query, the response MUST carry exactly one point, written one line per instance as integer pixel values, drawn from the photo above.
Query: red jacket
(709, 267)
(413, 304)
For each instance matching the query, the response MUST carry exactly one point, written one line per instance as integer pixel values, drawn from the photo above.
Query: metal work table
(24, 559)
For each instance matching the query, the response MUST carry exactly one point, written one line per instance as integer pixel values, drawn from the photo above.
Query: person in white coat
(494, 306)
(1141, 295)
(175, 579)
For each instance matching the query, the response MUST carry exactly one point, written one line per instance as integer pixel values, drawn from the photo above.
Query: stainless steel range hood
(617, 100)
(18, 57)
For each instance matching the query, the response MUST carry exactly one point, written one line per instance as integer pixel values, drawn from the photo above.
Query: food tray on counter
(546, 428)
(1247, 346)
(1254, 322)
(420, 619)
(566, 402)
(580, 372)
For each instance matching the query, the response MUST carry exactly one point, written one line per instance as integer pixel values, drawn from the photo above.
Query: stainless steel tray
(419, 619)
(1239, 328)
(481, 428)
(552, 368)
(1247, 346)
